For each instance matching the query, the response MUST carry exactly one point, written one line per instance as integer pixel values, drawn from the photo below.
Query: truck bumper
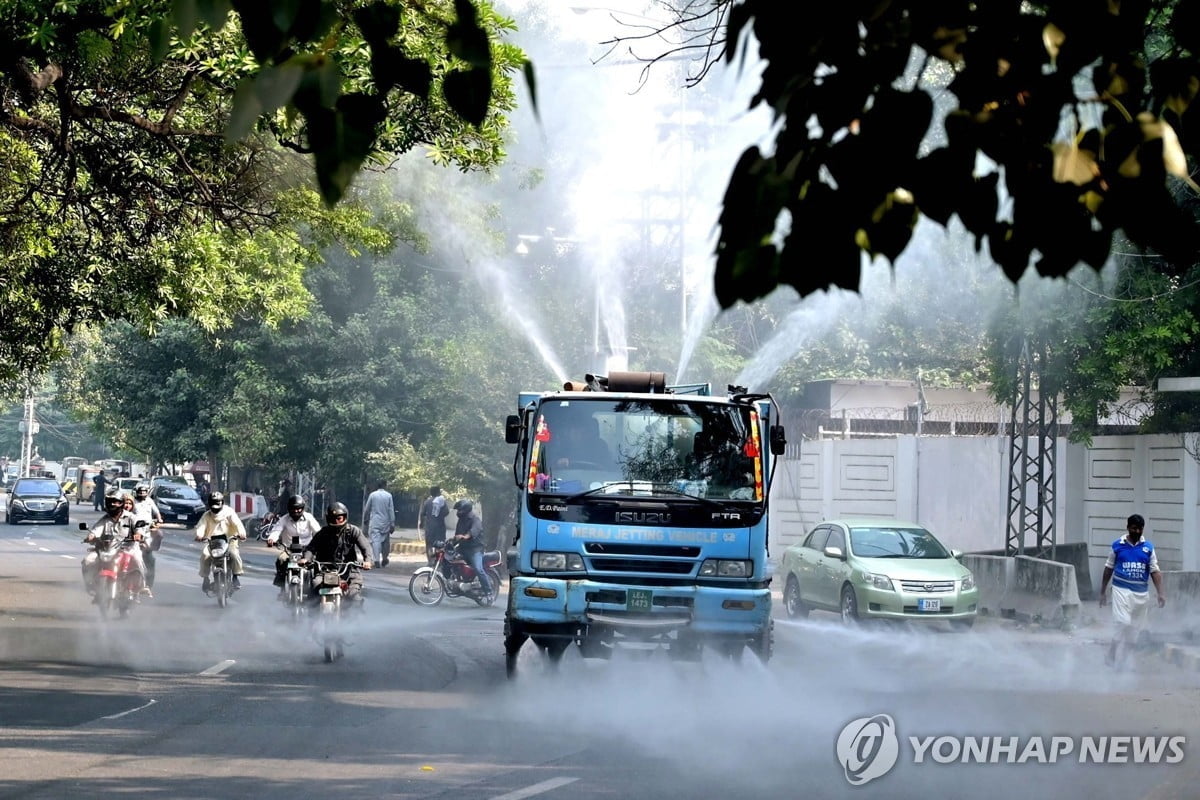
(700, 609)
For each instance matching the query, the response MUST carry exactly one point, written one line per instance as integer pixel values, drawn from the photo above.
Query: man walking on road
(432, 521)
(379, 516)
(1131, 566)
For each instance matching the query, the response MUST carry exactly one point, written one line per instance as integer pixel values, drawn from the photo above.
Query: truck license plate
(929, 605)
(638, 600)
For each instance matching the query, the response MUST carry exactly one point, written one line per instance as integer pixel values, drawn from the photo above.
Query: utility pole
(1032, 461)
(29, 427)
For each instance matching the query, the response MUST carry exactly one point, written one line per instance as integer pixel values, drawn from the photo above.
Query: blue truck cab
(643, 518)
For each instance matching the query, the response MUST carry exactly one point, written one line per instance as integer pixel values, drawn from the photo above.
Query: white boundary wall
(958, 488)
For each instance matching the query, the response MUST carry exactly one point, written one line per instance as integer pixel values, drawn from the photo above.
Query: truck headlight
(878, 581)
(726, 568)
(558, 562)
(968, 582)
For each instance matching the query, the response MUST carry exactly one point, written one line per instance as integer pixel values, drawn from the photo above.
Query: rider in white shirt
(220, 519)
(296, 525)
(146, 509)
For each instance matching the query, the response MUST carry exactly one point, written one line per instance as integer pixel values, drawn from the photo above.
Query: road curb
(1182, 656)
(408, 548)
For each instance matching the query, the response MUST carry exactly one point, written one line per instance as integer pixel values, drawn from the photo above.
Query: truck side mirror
(778, 440)
(512, 429)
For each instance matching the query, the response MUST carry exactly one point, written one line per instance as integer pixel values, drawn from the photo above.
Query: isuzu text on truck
(643, 519)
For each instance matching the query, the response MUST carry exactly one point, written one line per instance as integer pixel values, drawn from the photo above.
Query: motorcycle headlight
(878, 581)
(558, 562)
(968, 582)
(726, 568)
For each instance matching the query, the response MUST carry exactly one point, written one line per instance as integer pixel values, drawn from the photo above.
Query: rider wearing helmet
(220, 518)
(115, 521)
(339, 542)
(468, 534)
(296, 526)
(146, 509)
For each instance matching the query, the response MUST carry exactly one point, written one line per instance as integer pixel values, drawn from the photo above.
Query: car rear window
(172, 492)
(49, 487)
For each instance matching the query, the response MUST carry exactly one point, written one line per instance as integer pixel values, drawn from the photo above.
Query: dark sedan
(178, 502)
(39, 499)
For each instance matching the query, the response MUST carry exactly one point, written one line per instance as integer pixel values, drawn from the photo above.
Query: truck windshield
(694, 447)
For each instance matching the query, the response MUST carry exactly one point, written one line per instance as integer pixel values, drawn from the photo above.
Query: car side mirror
(835, 552)
(778, 440)
(956, 554)
(512, 429)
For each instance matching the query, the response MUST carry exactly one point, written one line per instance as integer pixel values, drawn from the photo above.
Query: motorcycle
(452, 576)
(297, 582)
(220, 574)
(332, 582)
(119, 578)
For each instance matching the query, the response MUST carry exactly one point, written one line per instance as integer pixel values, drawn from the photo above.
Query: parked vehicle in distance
(177, 502)
(10, 475)
(126, 484)
(38, 499)
(877, 569)
(86, 483)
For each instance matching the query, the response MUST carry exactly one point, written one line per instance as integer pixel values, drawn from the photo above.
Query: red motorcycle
(119, 581)
(452, 576)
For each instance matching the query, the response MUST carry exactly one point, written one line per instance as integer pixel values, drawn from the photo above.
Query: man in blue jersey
(1131, 566)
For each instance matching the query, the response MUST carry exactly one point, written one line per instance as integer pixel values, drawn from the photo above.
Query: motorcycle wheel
(333, 644)
(426, 588)
(490, 598)
(296, 599)
(106, 596)
(218, 585)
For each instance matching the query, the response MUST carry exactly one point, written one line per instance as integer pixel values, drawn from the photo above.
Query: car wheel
(962, 624)
(849, 605)
(791, 599)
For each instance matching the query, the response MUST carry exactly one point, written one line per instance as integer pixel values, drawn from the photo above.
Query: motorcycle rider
(468, 534)
(296, 525)
(120, 523)
(146, 509)
(337, 543)
(220, 518)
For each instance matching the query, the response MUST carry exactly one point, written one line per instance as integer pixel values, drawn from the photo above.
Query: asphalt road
(185, 700)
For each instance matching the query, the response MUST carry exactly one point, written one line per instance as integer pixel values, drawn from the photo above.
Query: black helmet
(464, 506)
(337, 510)
(216, 500)
(295, 503)
(113, 500)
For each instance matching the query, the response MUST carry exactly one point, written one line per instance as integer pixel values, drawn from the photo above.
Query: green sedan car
(877, 569)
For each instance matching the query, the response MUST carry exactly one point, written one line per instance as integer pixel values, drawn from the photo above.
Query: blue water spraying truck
(643, 519)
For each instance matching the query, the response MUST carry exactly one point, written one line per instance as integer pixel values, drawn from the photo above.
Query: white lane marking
(44, 549)
(70, 557)
(130, 711)
(31, 542)
(537, 788)
(217, 669)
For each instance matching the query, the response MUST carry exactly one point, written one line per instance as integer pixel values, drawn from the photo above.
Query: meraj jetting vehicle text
(643, 518)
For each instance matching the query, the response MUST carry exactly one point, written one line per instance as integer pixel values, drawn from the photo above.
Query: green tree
(151, 169)
(1082, 107)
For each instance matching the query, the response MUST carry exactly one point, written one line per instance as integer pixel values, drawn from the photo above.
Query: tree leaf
(160, 39)
(531, 83)
(185, 14)
(214, 12)
(245, 111)
(274, 86)
(468, 92)
(467, 39)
